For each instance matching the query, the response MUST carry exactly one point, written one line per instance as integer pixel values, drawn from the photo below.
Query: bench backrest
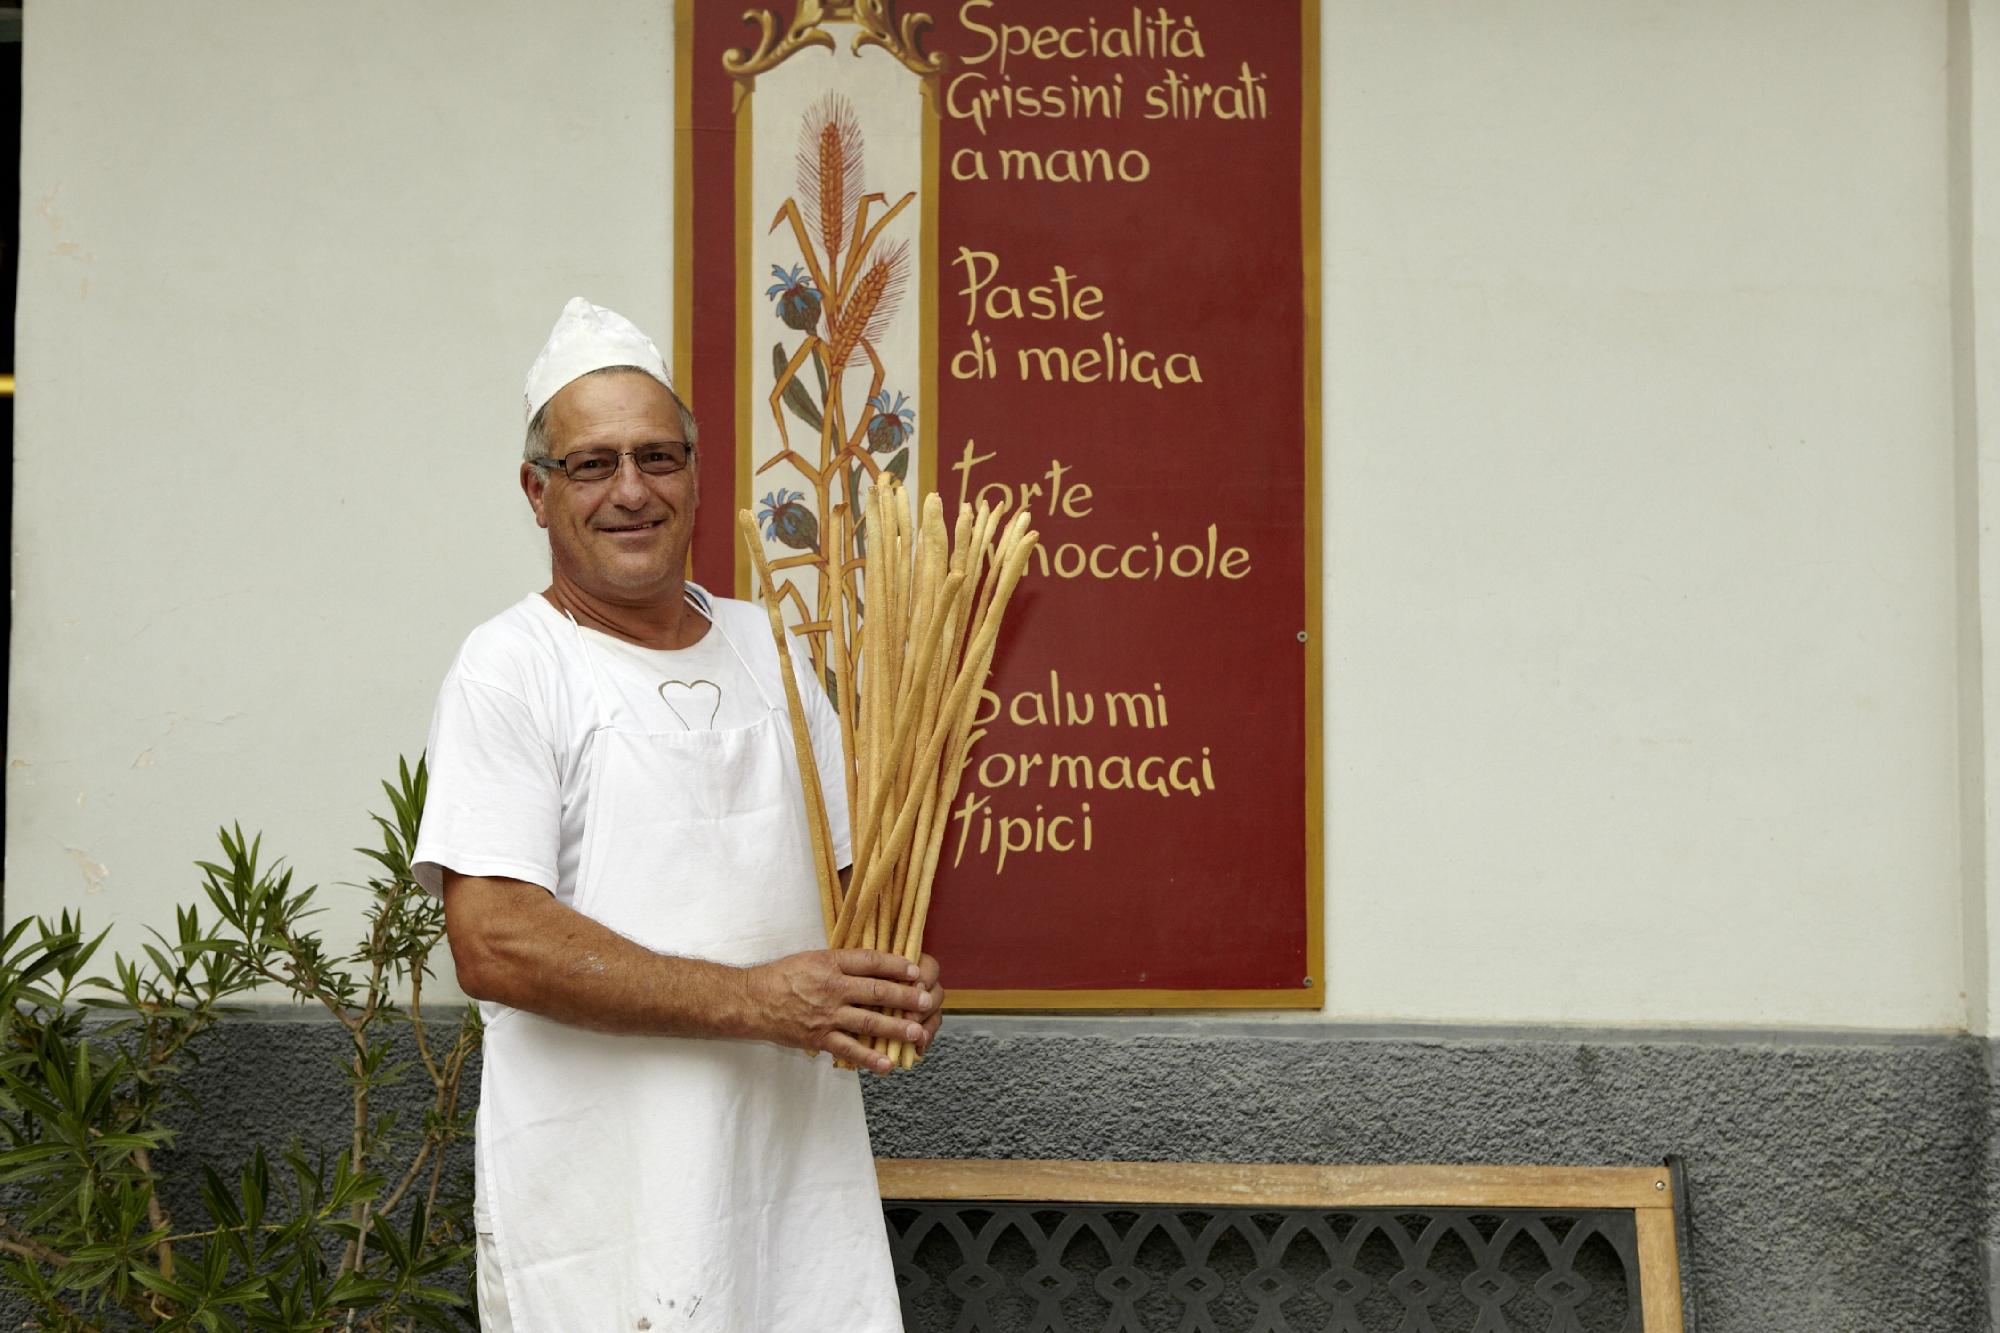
(1001, 1245)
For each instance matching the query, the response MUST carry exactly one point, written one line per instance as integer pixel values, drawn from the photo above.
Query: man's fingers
(869, 995)
(875, 963)
(848, 1041)
(843, 1047)
(936, 1014)
(879, 994)
(868, 1023)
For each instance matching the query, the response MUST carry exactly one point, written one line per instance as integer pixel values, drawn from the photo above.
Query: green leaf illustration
(855, 511)
(797, 397)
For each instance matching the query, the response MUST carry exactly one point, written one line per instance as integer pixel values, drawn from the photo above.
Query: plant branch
(77, 1323)
(29, 1248)
(423, 1153)
(155, 1214)
(351, 1262)
(297, 983)
(417, 1022)
(455, 1062)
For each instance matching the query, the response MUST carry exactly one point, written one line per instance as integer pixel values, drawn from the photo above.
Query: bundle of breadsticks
(911, 646)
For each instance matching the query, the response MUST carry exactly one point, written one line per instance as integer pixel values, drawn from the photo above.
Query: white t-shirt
(509, 792)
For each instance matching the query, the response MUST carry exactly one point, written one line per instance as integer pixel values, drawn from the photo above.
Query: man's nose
(628, 488)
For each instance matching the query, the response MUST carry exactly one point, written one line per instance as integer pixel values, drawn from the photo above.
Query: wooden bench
(994, 1246)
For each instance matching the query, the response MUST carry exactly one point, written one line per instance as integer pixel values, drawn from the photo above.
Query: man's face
(623, 540)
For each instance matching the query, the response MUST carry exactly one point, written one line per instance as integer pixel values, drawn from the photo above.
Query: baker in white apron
(635, 905)
(674, 1182)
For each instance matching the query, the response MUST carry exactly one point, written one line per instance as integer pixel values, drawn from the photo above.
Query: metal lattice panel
(970, 1267)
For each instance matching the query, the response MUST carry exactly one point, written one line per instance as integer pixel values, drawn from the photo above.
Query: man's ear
(535, 485)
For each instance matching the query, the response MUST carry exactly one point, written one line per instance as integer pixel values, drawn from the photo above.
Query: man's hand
(815, 1001)
(927, 980)
(515, 944)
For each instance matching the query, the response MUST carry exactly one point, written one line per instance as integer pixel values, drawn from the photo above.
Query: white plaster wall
(1639, 461)
(1978, 402)
(284, 265)
(1640, 514)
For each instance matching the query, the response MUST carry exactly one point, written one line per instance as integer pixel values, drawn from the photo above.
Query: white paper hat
(588, 337)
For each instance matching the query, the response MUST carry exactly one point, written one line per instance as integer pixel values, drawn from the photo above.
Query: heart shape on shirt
(687, 700)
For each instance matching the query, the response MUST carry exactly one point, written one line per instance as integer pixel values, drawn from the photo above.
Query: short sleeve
(494, 804)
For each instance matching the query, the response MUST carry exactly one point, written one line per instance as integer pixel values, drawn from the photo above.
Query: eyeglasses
(655, 460)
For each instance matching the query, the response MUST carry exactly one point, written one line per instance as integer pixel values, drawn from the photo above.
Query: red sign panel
(1110, 318)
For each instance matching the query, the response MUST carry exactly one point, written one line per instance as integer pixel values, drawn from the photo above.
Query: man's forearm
(516, 945)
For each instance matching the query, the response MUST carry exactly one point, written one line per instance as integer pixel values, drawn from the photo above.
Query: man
(615, 823)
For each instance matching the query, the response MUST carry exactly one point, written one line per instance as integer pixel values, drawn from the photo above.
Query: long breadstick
(949, 602)
(899, 904)
(911, 667)
(843, 658)
(1010, 563)
(874, 694)
(977, 656)
(879, 854)
(816, 823)
(929, 599)
(901, 895)
(945, 669)
(889, 640)
(954, 723)
(911, 943)
(889, 732)
(1016, 548)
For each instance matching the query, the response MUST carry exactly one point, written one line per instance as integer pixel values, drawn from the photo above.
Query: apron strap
(756, 680)
(598, 695)
(697, 597)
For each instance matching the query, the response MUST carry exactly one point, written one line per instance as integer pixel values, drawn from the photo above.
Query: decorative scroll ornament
(773, 50)
(901, 40)
(879, 27)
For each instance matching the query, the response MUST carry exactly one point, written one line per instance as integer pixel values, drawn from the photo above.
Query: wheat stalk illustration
(843, 296)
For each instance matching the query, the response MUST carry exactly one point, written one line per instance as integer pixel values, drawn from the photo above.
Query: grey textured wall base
(1835, 1183)
(1991, 1201)
(1838, 1184)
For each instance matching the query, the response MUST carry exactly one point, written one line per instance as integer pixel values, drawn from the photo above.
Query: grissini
(885, 852)
(816, 822)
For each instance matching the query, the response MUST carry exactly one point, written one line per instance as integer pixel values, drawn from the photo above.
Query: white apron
(677, 1183)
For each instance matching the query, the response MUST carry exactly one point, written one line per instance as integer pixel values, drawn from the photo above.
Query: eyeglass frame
(562, 464)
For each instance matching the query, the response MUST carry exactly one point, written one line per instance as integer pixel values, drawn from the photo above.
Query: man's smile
(647, 526)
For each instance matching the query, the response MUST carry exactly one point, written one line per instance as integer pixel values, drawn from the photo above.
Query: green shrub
(377, 1237)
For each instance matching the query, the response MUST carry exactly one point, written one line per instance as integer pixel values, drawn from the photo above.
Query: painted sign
(1058, 255)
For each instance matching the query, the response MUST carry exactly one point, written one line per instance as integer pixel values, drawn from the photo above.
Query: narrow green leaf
(256, 1188)
(353, 1288)
(797, 397)
(217, 1198)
